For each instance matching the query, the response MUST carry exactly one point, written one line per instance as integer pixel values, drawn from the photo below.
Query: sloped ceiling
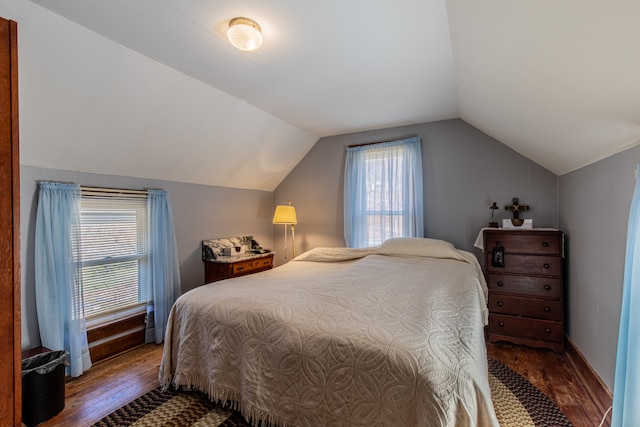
(556, 81)
(152, 88)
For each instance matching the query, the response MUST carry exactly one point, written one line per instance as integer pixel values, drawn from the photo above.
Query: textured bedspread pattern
(370, 340)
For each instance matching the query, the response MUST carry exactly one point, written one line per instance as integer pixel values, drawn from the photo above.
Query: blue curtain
(626, 390)
(58, 278)
(383, 192)
(164, 268)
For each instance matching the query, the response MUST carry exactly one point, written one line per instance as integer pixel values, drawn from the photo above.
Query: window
(383, 192)
(114, 250)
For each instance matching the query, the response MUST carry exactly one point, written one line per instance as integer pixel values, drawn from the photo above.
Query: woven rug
(517, 403)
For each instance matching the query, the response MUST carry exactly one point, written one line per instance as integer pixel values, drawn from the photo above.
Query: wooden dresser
(526, 294)
(228, 267)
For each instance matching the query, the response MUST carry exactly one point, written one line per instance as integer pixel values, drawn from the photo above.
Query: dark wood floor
(108, 385)
(116, 381)
(553, 374)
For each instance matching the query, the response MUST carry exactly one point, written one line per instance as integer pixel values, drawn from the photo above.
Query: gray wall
(199, 212)
(594, 212)
(464, 171)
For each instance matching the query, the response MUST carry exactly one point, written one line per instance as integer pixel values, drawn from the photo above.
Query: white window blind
(115, 251)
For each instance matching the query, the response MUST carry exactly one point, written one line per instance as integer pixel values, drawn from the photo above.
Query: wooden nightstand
(526, 295)
(236, 266)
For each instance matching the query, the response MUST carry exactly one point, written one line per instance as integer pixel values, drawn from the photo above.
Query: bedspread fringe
(229, 399)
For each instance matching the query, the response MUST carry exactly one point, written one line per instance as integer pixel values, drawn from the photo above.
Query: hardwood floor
(554, 375)
(108, 385)
(116, 381)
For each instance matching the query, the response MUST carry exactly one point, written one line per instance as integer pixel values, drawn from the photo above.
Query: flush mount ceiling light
(244, 34)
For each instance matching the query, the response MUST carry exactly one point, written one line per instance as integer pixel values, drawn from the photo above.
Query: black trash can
(43, 386)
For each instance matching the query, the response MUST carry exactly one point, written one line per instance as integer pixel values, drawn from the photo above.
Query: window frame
(98, 200)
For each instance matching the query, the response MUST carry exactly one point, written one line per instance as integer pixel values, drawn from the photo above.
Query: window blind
(114, 249)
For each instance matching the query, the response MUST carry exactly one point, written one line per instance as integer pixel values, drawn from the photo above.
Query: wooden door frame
(10, 345)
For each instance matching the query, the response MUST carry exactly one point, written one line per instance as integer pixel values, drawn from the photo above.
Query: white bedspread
(372, 340)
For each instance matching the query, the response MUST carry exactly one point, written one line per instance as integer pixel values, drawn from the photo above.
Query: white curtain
(58, 274)
(383, 192)
(164, 265)
(626, 390)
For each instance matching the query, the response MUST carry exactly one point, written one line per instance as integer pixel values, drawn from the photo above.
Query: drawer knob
(547, 309)
(500, 324)
(547, 330)
(546, 265)
(240, 268)
(500, 303)
(545, 244)
(500, 283)
(547, 287)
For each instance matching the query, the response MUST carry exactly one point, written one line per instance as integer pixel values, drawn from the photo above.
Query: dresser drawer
(220, 270)
(528, 264)
(539, 308)
(550, 287)
(524, 243)
(251, 265)
(523, 327)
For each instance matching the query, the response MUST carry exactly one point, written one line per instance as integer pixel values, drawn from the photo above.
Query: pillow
(334, 254)
(418, 246)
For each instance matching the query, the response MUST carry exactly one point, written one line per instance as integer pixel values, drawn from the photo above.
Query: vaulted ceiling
(152, 88)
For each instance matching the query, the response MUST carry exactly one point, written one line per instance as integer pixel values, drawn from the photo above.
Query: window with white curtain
(114, 247)
(383, 192)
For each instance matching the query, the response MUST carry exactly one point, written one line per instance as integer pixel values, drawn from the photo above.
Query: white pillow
(334, 254)
(418, 246)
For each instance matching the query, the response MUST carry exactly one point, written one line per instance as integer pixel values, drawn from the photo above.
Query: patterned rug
(517, 403)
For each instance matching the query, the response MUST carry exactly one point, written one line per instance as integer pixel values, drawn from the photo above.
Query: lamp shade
(244, 34)
(285, 214)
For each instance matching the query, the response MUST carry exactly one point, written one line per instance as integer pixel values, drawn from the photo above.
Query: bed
(385, 336)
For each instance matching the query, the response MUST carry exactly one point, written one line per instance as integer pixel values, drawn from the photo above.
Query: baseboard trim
(597, 389)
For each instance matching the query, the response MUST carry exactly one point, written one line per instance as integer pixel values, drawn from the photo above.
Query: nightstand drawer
(549, 287)
(228, 268)
(523, 327)
(524, 243)
(528, 307)
(528, 264)
(251, 265)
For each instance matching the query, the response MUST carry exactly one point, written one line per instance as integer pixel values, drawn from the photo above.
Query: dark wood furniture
(10, 329)
(526, 295)
(228, 267)
(33, 351)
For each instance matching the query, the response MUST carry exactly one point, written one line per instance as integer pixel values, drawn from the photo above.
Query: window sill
(109, 318)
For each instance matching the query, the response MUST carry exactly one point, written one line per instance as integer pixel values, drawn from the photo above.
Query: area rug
(517, 403)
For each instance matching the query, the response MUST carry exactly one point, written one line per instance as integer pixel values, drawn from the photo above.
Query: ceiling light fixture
(244, 34)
